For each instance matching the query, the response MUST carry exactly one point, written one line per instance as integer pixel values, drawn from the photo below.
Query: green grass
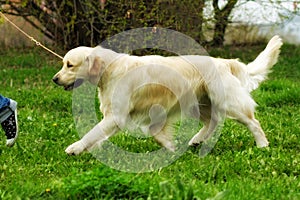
(37, 167)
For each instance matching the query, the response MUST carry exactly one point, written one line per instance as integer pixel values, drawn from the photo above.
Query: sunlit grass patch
(38, 168)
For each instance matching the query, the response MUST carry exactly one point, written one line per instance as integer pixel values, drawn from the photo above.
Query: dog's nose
(55, 79)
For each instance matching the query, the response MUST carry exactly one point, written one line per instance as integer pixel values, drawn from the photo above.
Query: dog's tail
(261, 66)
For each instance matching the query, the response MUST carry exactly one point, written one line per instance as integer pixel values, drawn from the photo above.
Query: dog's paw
(75, 148)
(262, 143)
(194, 142)
(170, 146)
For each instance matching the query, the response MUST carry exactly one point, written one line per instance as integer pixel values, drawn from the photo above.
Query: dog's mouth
(76, 84)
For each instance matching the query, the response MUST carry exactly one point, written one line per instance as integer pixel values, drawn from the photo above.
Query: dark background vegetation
(89, 22)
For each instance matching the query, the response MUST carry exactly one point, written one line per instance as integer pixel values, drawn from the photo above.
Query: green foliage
(38, 168)
(103, 183)
(77, 23)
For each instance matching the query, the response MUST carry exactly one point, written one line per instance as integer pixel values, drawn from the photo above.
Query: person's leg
(8, 119)
(4, 102)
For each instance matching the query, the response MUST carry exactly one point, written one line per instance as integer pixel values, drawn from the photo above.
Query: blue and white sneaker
(10, 123)
(10, 126)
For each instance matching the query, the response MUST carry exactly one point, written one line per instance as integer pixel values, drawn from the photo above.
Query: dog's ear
(95, 68)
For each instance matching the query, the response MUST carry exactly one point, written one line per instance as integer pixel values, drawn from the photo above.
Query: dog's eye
(69, 65)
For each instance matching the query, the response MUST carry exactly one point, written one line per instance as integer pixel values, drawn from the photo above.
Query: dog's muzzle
(69, 87)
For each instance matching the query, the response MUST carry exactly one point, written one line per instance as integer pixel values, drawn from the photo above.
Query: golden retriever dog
(151, 92)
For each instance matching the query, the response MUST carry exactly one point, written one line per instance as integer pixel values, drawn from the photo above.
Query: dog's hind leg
(209, 134)
(163, 135)
(166, 140)
(207, 131)
(255, 128)
(211, 119)
(199, 137)
(258, 133)
(243, 111)
(215, 120)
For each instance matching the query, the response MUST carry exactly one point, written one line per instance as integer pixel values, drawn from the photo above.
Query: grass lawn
(37, 167)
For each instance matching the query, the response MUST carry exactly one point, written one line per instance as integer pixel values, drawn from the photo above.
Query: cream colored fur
(152, 92)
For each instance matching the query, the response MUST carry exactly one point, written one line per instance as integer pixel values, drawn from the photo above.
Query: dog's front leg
(101, 132)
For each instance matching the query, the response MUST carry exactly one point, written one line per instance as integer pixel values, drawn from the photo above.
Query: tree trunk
(221, 17)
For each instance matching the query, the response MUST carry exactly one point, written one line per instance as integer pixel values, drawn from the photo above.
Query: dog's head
(75, 68)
